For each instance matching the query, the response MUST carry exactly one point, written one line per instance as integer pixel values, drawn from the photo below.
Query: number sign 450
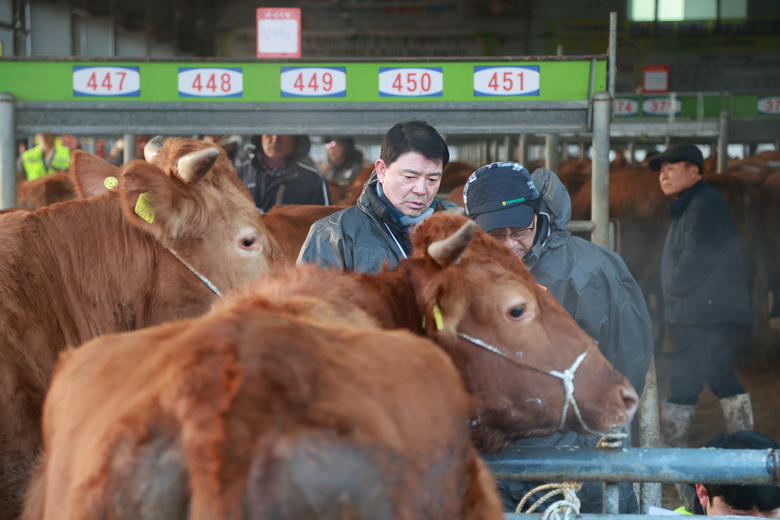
(411, 82)
(211, 82)
(106, 81)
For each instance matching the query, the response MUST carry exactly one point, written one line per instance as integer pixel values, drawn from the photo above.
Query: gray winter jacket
(360, 238)
(596, 289)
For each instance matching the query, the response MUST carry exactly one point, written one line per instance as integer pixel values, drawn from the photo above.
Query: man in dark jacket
(530, 214)
(400, 193)
(277, 177)
(705, 296)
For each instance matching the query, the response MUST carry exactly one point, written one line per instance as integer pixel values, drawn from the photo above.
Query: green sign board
(446, 81)
(708, 105)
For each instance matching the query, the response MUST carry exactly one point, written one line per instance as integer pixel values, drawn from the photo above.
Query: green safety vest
(682, 511)
(34, 167)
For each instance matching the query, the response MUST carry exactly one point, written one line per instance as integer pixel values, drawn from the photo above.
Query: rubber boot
(738, 412)
(676, 422)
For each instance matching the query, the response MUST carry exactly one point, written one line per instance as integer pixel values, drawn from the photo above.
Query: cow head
(190, 199)
(469, 285)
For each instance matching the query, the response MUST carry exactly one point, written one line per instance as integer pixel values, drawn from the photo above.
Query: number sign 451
(211, 82)
(507, 81)
(104, 81)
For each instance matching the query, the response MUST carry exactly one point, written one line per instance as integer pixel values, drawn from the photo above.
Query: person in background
(344, 160)
(46, 157)
(529, 215)
(400, 194)
(277, 175)
(731, 499)
(705, 296)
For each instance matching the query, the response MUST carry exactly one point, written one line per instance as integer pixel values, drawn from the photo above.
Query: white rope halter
(570, 503)
(567, 376)
(196, 273)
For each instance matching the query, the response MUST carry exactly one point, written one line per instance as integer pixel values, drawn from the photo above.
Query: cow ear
(447, 252)
(159, 204)
(92, 175)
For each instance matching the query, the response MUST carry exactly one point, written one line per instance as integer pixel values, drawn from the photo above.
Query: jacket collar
(262, 168)
(677, 207)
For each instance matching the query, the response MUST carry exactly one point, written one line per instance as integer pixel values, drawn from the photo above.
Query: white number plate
(506, 81)
(626, 107)
(661, 106)
(769, 105)
(411, 82)
(314, 81)
(221, 82)
(106, 81)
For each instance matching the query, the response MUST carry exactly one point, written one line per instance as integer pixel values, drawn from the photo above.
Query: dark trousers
(702, 355)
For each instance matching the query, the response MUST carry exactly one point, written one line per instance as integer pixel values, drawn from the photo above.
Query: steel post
(611, 502)
(551, 152)
(602, 102)
(7, 152)
(649, 436)
(630, 153)
(505, 156)
(564, 151)
(612, 53)
(129, 147)
(522, 149)
(723, 143)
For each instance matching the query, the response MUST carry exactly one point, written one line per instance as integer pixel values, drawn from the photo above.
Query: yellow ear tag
(437, 317)
(423, 321)
(143, 209)
(110, 183)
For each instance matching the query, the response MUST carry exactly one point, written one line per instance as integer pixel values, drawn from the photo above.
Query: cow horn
(448, 251)
(194, 166)
(152, 147)
(457, 210)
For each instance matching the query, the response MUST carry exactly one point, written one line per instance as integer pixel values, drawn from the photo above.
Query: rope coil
(570, 503)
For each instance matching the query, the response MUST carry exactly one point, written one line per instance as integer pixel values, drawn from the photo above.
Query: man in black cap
(530, 214)
(705, 296)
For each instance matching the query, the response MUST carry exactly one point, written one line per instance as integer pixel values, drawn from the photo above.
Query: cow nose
(630, 400)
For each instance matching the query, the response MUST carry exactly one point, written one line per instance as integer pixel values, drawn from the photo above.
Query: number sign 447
(106, 81)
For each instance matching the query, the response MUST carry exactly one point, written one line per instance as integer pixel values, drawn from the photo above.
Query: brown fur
(287, 388)
(45, 191)
(84, 268)
(289, 225)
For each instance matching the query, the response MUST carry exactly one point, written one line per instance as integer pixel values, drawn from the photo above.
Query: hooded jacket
(701, 265)
(594, 286)
(362, 237)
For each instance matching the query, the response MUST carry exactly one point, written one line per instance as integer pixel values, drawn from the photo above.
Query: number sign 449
(314, 82)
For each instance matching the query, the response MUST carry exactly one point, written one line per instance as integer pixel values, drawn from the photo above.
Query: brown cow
(289, 225)
(84, 268)
(45, 191)
(287, 402)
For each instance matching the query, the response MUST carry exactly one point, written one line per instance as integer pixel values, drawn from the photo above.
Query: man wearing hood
(530, 214)
(400, 193)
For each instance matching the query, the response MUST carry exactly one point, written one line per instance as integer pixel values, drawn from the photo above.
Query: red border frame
(278, 13)
(655, 68)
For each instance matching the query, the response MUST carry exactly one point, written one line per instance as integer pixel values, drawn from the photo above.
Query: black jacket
(701, 266)
(293, 183)
(360, 238)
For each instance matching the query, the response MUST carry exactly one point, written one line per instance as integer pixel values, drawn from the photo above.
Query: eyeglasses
(520, 234)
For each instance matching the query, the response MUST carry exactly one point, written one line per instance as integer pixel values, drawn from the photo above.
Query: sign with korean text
(102, 81)
(411, 82)
(211, 82)
(506, 81)
(314, 82)
(279, 32)
(626, 107)
(661, 106)
(769, 105)
(655, 78)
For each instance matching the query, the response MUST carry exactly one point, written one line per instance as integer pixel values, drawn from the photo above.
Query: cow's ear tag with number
(143, 209)
(110, 183)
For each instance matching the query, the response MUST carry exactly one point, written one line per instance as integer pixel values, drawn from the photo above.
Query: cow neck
(397, 300)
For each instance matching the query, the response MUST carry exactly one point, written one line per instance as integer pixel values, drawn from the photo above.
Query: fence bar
(664, 465)
(649, 436)
(611, 502)
(602, 103)
(723, 143)
(7, 152)
(612, 52)
(522, 149)
(129, 148)
(551, 152)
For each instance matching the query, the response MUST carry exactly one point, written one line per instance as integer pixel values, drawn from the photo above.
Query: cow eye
(248, 242)
(517, 311)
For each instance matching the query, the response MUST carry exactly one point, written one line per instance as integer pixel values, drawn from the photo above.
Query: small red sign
(279, 32)
(655, 78)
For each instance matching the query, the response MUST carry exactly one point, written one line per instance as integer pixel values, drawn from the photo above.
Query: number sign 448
(211, 82)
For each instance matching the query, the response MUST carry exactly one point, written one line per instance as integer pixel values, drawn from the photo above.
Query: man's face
(718, 507)
(277, 147)
(410, 183)
(335, 152)
(519, 244)
(678, 176)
